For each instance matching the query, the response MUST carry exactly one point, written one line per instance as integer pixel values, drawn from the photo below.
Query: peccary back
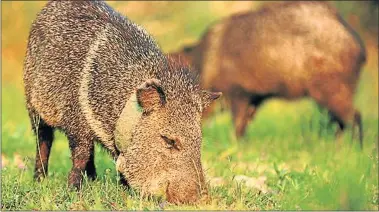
(289, 50)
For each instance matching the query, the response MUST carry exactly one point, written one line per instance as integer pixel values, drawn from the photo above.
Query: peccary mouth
(173, 187)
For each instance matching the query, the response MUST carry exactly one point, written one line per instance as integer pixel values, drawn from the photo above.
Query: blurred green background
(288, 156)
(173, 24)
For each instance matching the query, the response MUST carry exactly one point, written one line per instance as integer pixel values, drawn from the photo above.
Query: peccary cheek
(128, 120)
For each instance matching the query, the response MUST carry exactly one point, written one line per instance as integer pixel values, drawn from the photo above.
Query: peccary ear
(150, 95)
(208, 97)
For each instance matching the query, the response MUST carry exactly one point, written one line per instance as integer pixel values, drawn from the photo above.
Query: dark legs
(82, 156)
(340, 124)
(240, 110)
(244, 106)
(90, 167)
(82, 152)
(123, 181)
(45, 137)
(358, 123)
(338, 99)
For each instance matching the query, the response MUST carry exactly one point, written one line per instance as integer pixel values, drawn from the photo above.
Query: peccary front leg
(82, 156)
(90, 168)
(123, 181)
(340, 124)
(356, 125)
(242, 111)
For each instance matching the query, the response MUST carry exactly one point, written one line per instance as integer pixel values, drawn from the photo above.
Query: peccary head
(159, 136)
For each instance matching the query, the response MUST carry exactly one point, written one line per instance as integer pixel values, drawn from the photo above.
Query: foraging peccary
(288, 50)
(97, 76)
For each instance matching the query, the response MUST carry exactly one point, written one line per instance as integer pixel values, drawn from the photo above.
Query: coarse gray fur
(84, 61)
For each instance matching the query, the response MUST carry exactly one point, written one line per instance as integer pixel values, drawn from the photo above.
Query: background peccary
(97, 76)
(289, 50)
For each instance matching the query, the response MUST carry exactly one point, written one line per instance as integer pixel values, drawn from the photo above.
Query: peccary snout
(185, 186)
(179, 192)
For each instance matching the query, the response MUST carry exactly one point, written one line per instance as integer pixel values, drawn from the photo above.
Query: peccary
(288, 50)
(97, 76)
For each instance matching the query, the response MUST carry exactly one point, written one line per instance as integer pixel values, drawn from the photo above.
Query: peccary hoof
(75, 179)
(91, 173)
(39, 176)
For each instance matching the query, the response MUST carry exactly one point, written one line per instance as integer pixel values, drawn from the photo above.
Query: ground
(288, 160)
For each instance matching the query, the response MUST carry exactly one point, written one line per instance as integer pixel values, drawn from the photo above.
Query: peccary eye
(172, 143)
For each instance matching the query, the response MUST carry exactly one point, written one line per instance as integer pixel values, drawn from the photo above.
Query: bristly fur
(186, 79)
(84, 62)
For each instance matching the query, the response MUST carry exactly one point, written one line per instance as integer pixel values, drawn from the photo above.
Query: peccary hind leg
(353, 118)
(45, 137)
(339, 101)
(358, 123)
(82, 156)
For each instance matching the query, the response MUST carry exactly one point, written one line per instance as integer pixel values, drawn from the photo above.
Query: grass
(287, 143)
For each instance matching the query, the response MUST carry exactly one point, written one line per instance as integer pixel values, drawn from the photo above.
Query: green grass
(287, 143)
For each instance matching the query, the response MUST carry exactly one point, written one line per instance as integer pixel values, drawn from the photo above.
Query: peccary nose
(179, 192)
